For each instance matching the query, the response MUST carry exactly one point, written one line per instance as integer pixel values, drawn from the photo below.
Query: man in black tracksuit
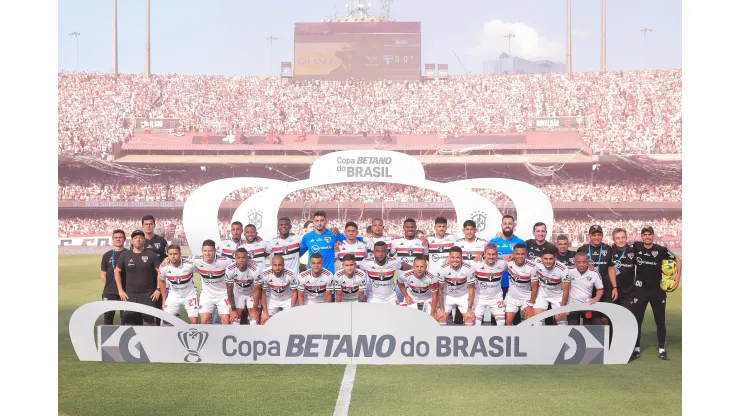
(107, 275)
(648, 274)
(158, 245)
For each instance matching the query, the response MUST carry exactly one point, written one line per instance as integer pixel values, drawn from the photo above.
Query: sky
(227, 37)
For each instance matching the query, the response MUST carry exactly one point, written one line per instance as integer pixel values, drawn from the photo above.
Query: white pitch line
(345, 391)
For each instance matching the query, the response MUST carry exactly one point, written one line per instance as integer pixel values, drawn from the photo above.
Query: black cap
(137, 232)
(647, 229)
(593, 229)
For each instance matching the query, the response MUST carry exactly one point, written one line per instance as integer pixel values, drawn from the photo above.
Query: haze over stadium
(193, 94)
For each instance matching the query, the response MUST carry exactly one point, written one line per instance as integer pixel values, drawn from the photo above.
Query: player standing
(583, 283)
(380, 269)
(409, 246)
(140, 264)
(179, 273)
(321, 240)
(377, 235)
(602, 259)
(244, 272)
(649, 258)
(108, 275)
(276, 287)
(420, 288)
(524, 285)
(350, 283)
(352, 245)
(440, 244)
(506, 244)
(537, 246)
(314, 285)
(488, 293)
(553, 285)
(227, 248)
(564, 255)
(217, 289)
(256, 247)
(459, 287)
(287, 245)
(471, 245)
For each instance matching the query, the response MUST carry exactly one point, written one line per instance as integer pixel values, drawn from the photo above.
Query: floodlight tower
(359, 10)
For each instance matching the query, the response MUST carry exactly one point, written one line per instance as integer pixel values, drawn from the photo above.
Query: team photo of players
(246, 279)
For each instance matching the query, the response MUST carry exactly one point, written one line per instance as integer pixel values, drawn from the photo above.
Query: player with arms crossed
(440, 244)
(459, 287)
(488, 293)
(315, 284)
(179, 272)
(276, 287)
(287, 245)
(380, 269)
(244, 272)
(420, 288)
(217, 289)
(523, 286)
(553, 285)
(256, 248)
(582, 284)
(350, 283)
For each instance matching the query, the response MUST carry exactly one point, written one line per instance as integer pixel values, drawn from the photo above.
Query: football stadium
(357, 134)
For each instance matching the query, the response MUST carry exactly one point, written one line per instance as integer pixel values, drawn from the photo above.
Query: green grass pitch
(647, 386)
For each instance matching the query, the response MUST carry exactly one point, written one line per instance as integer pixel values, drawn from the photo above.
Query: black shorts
(143, 300)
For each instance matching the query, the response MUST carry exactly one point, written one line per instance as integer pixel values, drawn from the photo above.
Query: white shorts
(513, 304)
(387, 301)
(543, 301)
(274, 305)
(207, 304)
(496, 304)
(426, 306)
(189, 301)
(460, 301)
(244, 300)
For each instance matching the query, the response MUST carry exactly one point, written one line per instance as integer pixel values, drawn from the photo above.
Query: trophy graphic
(193, 341)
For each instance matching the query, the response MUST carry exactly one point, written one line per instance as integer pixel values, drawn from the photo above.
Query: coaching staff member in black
(158, 245)
(140, 264)
(107, 275)
(649, 263)
(601, 257)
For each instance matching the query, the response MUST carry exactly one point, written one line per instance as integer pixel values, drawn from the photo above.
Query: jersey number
(193, 302)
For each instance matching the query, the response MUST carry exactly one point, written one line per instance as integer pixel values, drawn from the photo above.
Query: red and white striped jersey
(380, 281)
(520, 278)
(180, 277)
(227, 248)
(420, 289)
(370, 244)
(406, 250)
(290, 249)
(358, 249)
(244, 280)
(257, 252)
(551, 281)
(314, 287)
(456, 281)
(488, 279)
(439, 250)
(277, 287)
(471, 250)
(213, 277)
(351, 286)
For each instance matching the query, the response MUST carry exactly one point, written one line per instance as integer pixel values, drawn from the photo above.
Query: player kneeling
(276, 286)
(420, 288)
(522, 285)
(314, 285)
(459, 287)
(350, 283)
(179, 273)
(244, 272)
(553, 285)
(488, 292)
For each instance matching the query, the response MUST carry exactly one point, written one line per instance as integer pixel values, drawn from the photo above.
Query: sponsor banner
(201, 208)
(155, 124)
(353, 333)
(93, 240)
(557, 123)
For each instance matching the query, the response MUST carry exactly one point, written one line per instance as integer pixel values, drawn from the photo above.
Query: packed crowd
(607, 191)
(667, 231)
(635, 112)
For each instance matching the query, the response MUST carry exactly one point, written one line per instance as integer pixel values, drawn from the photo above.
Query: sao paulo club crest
(631, 255)
(145, 258)
(654, 253)
(480, 220)
(255, 217)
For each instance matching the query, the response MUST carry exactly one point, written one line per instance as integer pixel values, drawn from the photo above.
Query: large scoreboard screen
(359, 50)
